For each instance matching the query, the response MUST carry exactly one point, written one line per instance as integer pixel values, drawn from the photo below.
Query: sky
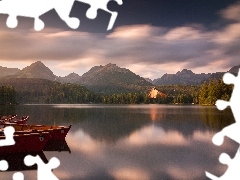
(150, 38)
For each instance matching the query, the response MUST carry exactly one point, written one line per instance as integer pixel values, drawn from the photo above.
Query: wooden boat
(14, 119)
(56, 132)
(26, 142)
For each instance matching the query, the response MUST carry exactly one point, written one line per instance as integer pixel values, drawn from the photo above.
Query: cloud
(232, 12)
(147, 50)
(129, 173)
(156, 135)
(133, 32)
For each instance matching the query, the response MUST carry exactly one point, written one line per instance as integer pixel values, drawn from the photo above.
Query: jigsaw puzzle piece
(231, 131)
(63, 9)
(95, 5)
(34, 9)
(233, 167)
(18, 176)
(221, 104)
(25, 8)
(8, 133)
(3, 165)
(229, 78)
(44, 170)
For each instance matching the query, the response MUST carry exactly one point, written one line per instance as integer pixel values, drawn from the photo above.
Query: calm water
(134, 141)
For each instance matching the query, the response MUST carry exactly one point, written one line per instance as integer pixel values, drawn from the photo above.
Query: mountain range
(4, 71)
(183, 77)
(109, 78)
(102, 79)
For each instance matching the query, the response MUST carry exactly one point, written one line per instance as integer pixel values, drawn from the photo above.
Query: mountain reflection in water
(136, 141)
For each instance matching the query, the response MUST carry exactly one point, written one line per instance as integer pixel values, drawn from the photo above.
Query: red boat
(29, 142)
(56, 132)
(14, 119)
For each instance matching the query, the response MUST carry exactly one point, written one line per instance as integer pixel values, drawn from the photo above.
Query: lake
(134, 141)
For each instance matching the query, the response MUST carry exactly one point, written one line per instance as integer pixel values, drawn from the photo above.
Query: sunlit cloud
(228, 35)
(156, 135)
(202, 136)
(232, 12)
(132, 32)
(147, 50)
(129, 158)
(85, 144)
(187, 33)
(178, 173)
(130, 173)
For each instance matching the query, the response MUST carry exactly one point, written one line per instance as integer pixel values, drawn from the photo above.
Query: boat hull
(31, 142)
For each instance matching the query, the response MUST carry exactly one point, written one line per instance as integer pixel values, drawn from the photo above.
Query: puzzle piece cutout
(18, 176)
(233, 167)
(44, 170)
(36, 8)
(3, 165)
(8, 141)
(234, 100)
(95, 5)
(232, 131)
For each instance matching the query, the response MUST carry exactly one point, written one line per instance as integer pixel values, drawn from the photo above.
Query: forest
(50, 93)
(7, 95)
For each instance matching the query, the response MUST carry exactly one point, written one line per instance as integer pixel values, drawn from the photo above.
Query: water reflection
(149, 153)
(16, 160)
(215, 119)
(136, 141)
(57, 145)
(156, 113)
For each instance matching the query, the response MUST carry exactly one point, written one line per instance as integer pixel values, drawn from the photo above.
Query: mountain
(36, 70)
(219, 75)
(149, 80)
(234, 70)
(112, 79)
(4, 71)
(182, 77)
(214, 76)
(71, 78)
(104, 79)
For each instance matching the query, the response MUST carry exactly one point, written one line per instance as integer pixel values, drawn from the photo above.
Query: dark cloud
(189, 46)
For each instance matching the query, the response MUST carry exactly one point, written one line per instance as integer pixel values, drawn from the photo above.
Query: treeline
(7, 95)
(44, 91)
(206, 94)
(57, 93)
(210, 92)
(175, 94)
(179, 94)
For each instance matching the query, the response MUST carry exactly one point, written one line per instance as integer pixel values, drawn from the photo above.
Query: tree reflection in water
(136, 141)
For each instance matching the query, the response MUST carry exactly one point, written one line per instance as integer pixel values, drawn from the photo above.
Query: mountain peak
(185, 72)
(37, 63)
(111, 65)
(111, 78)
(234, 70)
(184, 77)
(73, 75)
(36, 70)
